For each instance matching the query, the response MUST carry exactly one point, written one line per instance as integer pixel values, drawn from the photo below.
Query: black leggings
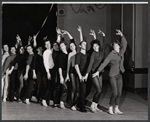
(56, 86)
(97, 82)
(12, 85)
(75, 89)
(42, 86)
(20, 77)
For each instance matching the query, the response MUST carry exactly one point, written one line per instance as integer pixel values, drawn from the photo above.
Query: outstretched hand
(79, 28)
(101, 32)
(18, 38)
(34, 37)
(92, 32)
(64, 32)
(95, 74)
(58, 31)
(119, 32)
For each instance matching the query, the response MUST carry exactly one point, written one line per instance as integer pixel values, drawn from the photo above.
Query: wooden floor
(134, 106)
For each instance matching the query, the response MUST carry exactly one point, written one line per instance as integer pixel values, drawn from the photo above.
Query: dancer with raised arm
(80, 66)
(62, 68)
(115, 59)
(71, 73)
(95, 61)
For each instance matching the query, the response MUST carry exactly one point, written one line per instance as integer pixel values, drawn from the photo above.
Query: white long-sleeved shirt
(48, 60)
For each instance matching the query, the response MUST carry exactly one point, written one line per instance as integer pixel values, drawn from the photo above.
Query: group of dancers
(30, 70)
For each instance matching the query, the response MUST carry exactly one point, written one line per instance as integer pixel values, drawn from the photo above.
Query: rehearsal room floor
(134, 106)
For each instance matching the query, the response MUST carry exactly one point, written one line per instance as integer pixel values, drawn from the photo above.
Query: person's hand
(30, 38)
(58, 31)
(119, 32)
(79, 29)
(34, 76)
(61, 80)
(67, 78)
(34, 37)
(18, 38)
(95, 74)
(101, 32)
(92, 33)
(25, 77)
(9, 72)
(81, 78)
(64, 32)
(48, 76)
(85, 77)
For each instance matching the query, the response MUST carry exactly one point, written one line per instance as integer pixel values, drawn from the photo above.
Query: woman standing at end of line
(116, 59)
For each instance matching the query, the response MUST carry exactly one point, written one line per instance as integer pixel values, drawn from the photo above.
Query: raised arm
(123, 41)
(103, 44)
(18, 42)
(92, 33)
(69, 35)
(80, 32)
(59, 34)
(34, 41)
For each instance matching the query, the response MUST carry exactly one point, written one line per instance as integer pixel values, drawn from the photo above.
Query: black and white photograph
(74, 60)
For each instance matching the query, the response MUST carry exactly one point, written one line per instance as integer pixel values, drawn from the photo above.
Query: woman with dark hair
(71, 73)
(62, 68)
(95, 60)
(115, 59)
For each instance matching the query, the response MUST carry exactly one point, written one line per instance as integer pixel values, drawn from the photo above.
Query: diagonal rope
(45, 20)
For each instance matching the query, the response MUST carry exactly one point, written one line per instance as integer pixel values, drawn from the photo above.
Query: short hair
(28, 46)
(116, 42)
(82, 42)
(65, 43)
(47, 40)
(95, 41)
(40, 48)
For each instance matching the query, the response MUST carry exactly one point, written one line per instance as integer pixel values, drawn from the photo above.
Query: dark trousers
(64, 88)
(42, 86)
(29, 84)
(116, 85)
(20, 84)
(97, 83)
(74, 89)
(55, 85)
(12, 85)
(82, 93)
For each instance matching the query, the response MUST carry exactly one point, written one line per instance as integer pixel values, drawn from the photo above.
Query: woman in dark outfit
(116, 59)
(71, 73)
(95, 61)
(62, 67)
